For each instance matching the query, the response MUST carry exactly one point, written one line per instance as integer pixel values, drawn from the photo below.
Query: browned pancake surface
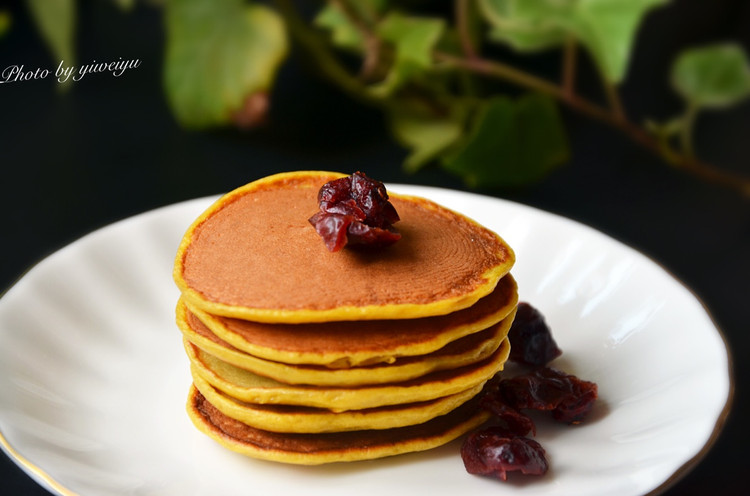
(259, 251)
(374, 336)
(458, 347)
(328, 442)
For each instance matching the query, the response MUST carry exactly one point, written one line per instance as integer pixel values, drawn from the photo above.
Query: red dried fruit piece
(530, 337)
(372, 196)
(495, 451)
(569, 398)
(359, 233)
(332, 228)
(335, 197)
(355, 210)
(515, 420)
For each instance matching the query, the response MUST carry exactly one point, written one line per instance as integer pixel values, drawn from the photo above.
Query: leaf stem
(613, 117)
(613, 98)
(499, 70)
(318, 49)
(686, 130)
(570, 56)
(372, 43)
(462, 27)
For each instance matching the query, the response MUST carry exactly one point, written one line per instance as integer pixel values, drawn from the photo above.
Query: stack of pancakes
(305, 356)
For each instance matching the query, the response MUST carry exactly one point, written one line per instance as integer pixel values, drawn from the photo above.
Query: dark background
(109, 149)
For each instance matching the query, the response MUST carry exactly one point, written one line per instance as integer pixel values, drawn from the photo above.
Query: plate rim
(45, 480)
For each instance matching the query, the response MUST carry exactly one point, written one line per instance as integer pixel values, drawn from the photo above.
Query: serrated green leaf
(606, 28)
(511, 143)
(414, 39)
(713, 76)
(344, 34)
(218, 53)
(56, 22)
(523, 34)
(424, 130)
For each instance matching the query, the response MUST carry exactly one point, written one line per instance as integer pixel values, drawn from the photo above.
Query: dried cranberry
(332, 228)
(373, 198)
(569, 398)
(355, 210)
(494, 451)
(503, 448)
(362, 234)
(530, 337)
(515, 421)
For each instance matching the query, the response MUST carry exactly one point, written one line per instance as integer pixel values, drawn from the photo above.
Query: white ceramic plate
(93, 377)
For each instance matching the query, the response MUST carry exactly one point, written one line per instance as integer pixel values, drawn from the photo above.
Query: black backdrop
(110, 149)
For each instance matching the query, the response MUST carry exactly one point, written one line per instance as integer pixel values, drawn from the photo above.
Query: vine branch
(686, 132)
(462, 27)
(614, 117)
(471, 62)
(327, 62)
(570, 55)
(373, 44)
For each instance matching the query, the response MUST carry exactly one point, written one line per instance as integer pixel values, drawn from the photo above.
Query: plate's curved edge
(689, 465)
(95, 230)
(49, 483)
(37, 474)
(721, 420)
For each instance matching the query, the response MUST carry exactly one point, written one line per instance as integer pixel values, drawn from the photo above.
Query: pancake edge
(358, 358)
(356, 376)
(332, 456)
(364, 312)
(347, 398)
(307, 420)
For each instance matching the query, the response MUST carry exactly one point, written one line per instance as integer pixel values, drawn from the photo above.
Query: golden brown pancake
(299, 419)
(253, 255)
(312, 449)
(307, 356)
(252, 388)
(345, 344)
(464, 351)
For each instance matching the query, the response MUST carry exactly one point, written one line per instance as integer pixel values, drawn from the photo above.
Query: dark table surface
(109, 149)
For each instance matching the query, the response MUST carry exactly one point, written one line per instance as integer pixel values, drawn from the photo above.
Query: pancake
(252, 388)
(300, 419)
(313, 449)
(238, 259)
(464, 351)
(342, 344)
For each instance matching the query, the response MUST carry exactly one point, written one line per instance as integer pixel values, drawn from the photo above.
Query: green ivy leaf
(414, 39)
(511, 143)
(525, 34)
(606, 28)
(218, 53)
(56, 22)
(425, 130)
(714, 76)
(344, 34)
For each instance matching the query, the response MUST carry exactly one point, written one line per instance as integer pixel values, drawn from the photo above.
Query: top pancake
(253, 255)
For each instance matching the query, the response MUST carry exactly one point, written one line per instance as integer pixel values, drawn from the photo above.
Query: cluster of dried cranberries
(504, 448)
(531, 338)
(355, 210)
